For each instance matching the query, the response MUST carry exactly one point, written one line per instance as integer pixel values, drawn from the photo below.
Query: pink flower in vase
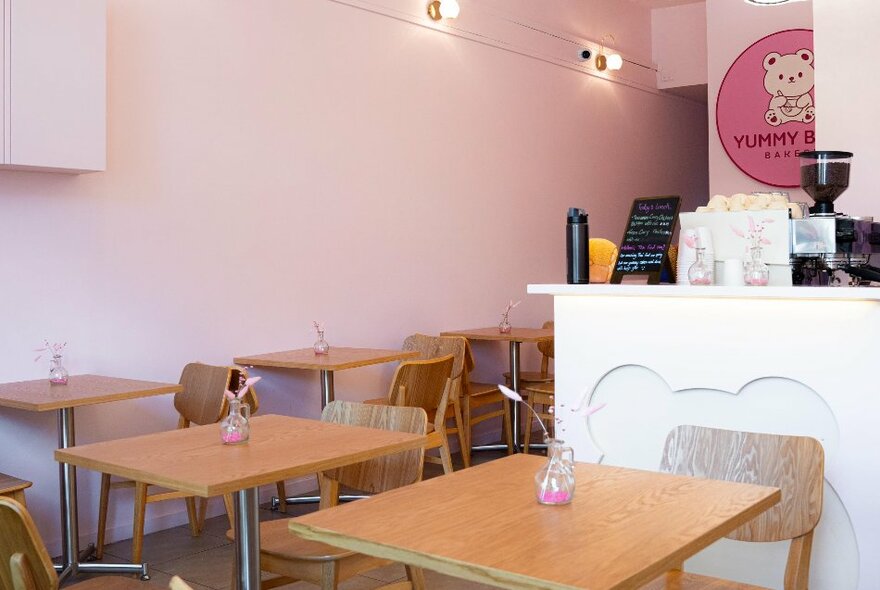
(504, 327)
(321, 346)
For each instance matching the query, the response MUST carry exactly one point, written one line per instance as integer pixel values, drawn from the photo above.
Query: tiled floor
(205, 562)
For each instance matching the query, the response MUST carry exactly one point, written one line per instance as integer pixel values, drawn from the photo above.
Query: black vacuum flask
(577, 247)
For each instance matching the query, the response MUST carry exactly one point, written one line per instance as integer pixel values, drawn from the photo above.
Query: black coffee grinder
(825, 241)
(824, 176)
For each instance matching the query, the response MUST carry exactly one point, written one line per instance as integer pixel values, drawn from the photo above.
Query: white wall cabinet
(54, 56)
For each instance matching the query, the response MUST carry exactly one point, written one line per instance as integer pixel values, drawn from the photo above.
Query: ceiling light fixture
(443, 9)
(767, 2)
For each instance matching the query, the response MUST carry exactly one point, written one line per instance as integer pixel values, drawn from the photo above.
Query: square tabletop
(515, 334)
(337, 359)
(623, 528)
(193, 460)
(81, 390)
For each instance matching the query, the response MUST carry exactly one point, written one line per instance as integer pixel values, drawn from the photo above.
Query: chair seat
(277, 540)
(545, 388)
(686, 581)
(531, 377)
(478, 389)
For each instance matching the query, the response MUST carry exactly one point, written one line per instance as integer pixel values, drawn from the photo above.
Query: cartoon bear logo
(789, 79)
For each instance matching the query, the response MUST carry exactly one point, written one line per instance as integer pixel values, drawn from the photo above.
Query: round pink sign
(765, 111)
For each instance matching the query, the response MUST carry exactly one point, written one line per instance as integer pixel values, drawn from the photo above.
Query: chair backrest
(24, 562)
(202, 400)
(794, 464)
(548, 351)
(423, 384)
(430, 347)
(383, 473)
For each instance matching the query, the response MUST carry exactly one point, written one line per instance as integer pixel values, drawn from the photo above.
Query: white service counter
(788, 360)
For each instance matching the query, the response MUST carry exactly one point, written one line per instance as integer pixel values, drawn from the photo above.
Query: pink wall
(846, 86)
(681, 58)
(271, 163)
(733, 25)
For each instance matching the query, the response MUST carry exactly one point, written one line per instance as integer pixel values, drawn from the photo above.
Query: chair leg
(230, 510)
(416, 577)
(140, 512)
(329, 575)
(527, 433)
(797, 569)
(445, 455)
(462, 434)
(102, 515)
(282, 497)
(193, 516)
(202, 512)
(466, 418)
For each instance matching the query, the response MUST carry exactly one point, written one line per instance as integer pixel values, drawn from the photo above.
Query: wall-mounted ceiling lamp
(768, 2)
(606, 60)
(443, 9)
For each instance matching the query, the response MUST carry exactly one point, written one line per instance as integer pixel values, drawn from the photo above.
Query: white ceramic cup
(732, 272)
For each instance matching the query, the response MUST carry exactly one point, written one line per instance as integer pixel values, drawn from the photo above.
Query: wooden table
(81, 390)
(514, 338)
(337, 359)
(193, 460)
(623, 528)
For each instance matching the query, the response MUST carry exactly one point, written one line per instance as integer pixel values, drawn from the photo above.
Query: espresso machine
(827, 247)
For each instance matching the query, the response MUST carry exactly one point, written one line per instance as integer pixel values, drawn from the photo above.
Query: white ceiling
(664, 3)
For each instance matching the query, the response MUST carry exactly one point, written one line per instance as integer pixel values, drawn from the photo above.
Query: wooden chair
(430, 347)
(527, 378)
(482, 395)
(427, 384)
(24, 562)
(201, 402)
(14, 487)
(542, 398)
(294, 558)
(795, 464)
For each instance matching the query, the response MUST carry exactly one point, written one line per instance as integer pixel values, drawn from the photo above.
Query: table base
(71, 558)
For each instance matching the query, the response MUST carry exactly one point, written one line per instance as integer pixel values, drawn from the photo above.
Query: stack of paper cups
(687, 240)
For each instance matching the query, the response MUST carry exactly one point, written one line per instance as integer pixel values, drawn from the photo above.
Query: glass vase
(554, 482)
(57, 373)
(504, 327)
(701, 272)
(321, 346)
(756, 272)
(235, 427)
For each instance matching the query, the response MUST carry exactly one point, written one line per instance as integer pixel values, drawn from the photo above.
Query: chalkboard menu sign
(646, 240)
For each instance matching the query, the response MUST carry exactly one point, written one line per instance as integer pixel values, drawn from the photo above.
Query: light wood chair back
(422, 384)
(24, 562)
(201, 401)
(794, 464)
(383, 473)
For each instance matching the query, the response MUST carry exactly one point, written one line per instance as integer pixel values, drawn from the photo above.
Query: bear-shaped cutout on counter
(789, 79)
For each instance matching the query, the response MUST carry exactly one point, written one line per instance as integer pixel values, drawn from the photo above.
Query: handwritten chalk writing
(647, 235)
